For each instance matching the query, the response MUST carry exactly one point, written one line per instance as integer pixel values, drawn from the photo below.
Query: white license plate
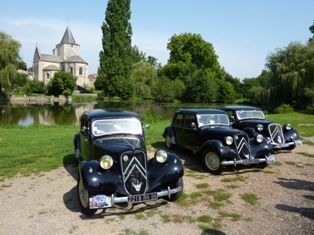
(142, 197)
(100, 201)
(250, 161)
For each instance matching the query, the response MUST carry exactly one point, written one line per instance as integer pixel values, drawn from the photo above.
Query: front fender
(163, 173)
(95, 178)
(291, 135)
(250, 131)
(169, 130)
(259, 150)
(222, 151)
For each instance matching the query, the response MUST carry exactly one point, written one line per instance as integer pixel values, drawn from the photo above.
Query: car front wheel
(212, 162)
(83, 196)
(168, 143)
(175, 196)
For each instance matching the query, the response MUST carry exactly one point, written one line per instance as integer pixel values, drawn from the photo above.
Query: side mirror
(147, 127)
(193, 125)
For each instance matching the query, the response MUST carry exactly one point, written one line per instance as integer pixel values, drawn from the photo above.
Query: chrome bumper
(268, 159)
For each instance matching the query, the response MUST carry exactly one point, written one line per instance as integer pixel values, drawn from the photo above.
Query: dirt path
(47, 203)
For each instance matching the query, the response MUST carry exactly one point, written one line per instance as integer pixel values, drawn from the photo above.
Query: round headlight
(229, 140)
(259, 127)
(106, 162)
(259, 138)
(288, 126)
(161, 156)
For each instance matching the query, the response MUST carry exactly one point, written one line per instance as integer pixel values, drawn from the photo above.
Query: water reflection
(69, 114)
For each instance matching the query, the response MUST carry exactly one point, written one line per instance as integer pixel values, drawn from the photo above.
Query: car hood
(115, 146)
(254, 122)
(222, 130)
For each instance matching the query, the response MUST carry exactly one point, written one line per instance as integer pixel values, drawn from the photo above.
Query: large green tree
(116, 58)
(10, 61)
(194, 62)
(288, 71)
(62, 83)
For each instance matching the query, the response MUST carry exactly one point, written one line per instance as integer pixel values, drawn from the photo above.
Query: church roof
(75, 59)
(50, 58)
(52, 68)
(68, 37)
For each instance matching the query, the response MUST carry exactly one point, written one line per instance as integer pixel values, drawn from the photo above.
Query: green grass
(39, 148)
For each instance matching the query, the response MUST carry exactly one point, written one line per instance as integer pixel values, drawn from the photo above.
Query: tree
(62, 83)
(188, 53)
(116, 57)
(9, 62)
(143, 77)
(312, 31)
(288, 69)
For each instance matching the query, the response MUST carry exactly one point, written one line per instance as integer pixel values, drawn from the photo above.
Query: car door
(84, 139)
(189, 134)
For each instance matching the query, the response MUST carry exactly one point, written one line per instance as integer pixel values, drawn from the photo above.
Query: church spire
(68, 37)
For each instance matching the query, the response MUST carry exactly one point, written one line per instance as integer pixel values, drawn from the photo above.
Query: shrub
(284, 108)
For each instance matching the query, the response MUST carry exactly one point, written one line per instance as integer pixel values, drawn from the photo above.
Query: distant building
(66, 57)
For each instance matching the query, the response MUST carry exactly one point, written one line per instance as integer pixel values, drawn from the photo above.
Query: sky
(243, 32)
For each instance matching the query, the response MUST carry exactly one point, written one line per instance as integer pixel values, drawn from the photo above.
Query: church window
(81, 71)
(71, 70)
(48, 75)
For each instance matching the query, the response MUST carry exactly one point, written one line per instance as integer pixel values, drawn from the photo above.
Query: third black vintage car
(208, 134)
(252, 120)
(114, 168)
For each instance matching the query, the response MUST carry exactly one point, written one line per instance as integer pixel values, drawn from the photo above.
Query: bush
(284, 108)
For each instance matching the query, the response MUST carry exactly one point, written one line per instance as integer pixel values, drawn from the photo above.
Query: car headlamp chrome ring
(106, 162)
(259, 127)
(229, 140)
(161, 156)
(259, 138)
(288, 126)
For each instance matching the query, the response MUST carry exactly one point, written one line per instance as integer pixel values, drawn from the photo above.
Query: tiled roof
(52, 68)
(68, 37)
(75, 59)
(50, 58)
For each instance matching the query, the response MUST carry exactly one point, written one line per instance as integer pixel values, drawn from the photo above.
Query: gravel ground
(47, 203)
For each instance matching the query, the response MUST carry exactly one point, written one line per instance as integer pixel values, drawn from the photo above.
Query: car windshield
(250, 114)
(212, 119)
(117, 126)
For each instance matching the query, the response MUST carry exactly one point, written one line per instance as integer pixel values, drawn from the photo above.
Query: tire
(168, 143)
(175, 196)
(212, 162)
(83, 197)
(262, 165)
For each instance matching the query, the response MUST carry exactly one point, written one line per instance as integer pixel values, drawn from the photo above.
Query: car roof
(239, 107)
(102, 113)
(200, 111)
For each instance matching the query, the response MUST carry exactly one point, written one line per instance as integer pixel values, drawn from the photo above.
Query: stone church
(66, 57)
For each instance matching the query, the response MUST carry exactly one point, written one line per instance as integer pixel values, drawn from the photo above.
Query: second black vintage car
(252, 120)
(114, 168)
(208, 134)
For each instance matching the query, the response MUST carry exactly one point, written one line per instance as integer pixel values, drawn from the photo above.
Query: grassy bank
(26, 150)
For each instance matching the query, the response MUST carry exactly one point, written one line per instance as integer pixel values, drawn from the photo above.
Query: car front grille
(275, 133)
(243, 146)
(134, 169)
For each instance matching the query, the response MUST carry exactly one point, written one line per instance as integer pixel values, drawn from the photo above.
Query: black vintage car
(208, 134)
(252, 120)
(114, 168)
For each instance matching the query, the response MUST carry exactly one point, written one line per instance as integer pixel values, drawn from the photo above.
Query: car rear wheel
(175, 196)
(168, 143)
(83, 196)
(212, 162)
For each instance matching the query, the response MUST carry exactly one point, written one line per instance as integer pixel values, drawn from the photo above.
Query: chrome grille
(134, 172)
(243, 146)
(275, 133)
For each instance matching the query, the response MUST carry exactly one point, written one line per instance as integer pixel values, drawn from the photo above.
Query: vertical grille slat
(275, 133)
(134, 171)
(243, 146)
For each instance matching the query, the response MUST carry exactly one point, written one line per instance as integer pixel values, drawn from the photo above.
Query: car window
(179, 120)
(114, 126)
(250, 114)
(189, 119)
(213, 119)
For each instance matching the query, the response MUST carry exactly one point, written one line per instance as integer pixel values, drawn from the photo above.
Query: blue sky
(242, 32)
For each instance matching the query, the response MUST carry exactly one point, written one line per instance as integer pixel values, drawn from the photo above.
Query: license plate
(250, 161)
(100, 201)
(142, 197)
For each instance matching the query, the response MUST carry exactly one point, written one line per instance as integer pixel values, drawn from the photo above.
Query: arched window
(81, 71)
(71, 70)
(48, 75)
